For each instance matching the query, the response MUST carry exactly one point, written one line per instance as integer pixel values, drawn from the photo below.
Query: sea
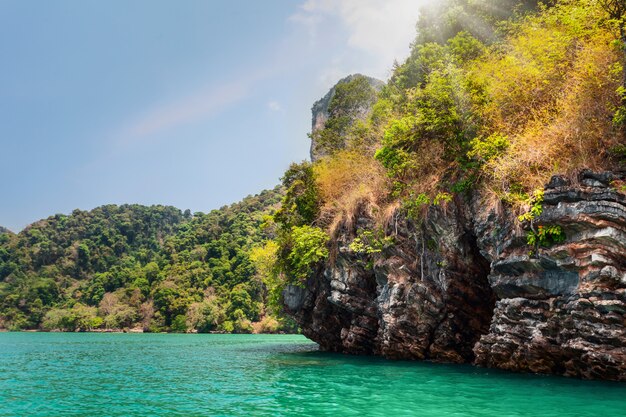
(121, 374)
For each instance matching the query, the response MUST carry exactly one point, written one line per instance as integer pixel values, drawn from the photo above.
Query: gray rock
(558, 181)
(462, 287)
(563, 317)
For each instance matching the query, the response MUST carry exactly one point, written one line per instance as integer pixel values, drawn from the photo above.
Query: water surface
(73, 374)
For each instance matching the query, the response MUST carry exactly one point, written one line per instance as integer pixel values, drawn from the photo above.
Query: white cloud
(187, 109)
(274, 105)
(383, 29)
(309, 21)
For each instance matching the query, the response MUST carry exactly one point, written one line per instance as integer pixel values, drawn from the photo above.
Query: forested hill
(4, 230)
(131, 266)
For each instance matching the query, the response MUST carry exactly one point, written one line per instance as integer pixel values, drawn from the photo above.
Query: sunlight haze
(156, 102)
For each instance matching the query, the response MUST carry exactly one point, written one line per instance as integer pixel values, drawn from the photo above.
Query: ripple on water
(44, 374)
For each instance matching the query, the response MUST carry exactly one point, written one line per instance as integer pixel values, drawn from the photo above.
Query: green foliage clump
(485, 150)
(297, 246)
(536, 207)
(545, 236)
(300, 204)
(308, 248)
(78, 318)
(206, 316)
(435, 119)
(289, 260)
(542, 235)
(619, 116)
(370, 242)
(265, 258)
(619, 152)
(415, 205)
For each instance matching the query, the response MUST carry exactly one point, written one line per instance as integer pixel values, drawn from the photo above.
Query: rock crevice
(562, 310)
(462, 286)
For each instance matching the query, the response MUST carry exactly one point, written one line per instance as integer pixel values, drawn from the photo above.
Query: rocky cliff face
(564, 310)
(463, 287)
(320, 113)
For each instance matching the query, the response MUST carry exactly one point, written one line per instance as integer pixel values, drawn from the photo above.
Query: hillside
(132, 266)
(476, 213)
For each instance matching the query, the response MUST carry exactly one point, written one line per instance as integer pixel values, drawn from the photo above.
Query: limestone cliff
(463, 286)
(564, 310)
(320, 111)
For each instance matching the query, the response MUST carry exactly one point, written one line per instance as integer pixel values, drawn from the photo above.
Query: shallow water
(72, 374)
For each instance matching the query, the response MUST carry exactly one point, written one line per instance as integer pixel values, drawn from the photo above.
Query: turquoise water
(72, 374)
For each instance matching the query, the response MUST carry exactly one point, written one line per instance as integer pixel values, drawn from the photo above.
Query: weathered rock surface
(425, 297)
(563, 310)
(463, 287)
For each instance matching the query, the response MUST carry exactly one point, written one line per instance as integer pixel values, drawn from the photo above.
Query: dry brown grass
(559, 129)
(431, 167)
(346, 181)
(550, 89)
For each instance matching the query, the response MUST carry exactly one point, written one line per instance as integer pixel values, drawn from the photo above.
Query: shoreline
(135, 331)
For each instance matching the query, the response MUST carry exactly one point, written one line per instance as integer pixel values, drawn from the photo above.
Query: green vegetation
(368, 241)
(297, 246)
(546, 236)
(308, 248)
(616, 10)
(348, 106)
(154, 268)
(495, 96)
(535, 202)
(541, 235)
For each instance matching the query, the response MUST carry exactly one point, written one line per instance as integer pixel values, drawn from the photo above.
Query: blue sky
(193, 103)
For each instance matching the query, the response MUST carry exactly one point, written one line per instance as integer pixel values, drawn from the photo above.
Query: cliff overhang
(464, 286)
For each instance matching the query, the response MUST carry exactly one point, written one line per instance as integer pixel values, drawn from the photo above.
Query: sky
(194, 103)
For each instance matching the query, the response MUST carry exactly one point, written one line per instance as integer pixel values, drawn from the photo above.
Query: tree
(617, 12)
(301, 202)
(240, 300)
(205, 316)
(146, 313)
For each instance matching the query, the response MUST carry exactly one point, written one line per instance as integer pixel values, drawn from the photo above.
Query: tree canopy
(154, 268)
